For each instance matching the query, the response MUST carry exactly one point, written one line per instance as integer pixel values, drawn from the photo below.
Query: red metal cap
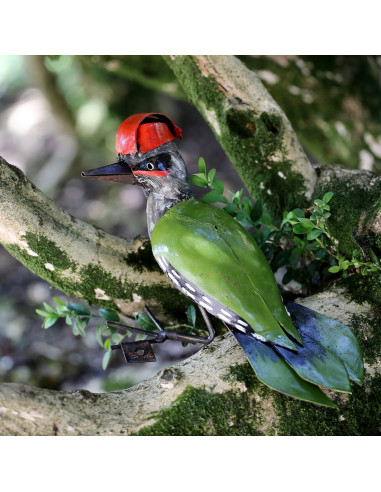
(145, 131)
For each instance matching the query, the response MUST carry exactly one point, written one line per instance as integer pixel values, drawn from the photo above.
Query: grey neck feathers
(158, 204)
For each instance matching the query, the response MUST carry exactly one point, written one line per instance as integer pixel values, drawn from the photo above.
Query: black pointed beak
(114, 172)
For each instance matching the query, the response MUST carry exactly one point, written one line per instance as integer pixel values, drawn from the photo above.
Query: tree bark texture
(76, 257)
(258, 138)
(214, 392)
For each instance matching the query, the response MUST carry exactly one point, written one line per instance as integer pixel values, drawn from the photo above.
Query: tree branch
(250, 126)
(214, 392)
(76, 257)
(264, 149)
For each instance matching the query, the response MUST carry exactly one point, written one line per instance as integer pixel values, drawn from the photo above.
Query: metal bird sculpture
(216, 263)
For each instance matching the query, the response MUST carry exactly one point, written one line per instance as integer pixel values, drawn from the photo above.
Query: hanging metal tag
(138, 351)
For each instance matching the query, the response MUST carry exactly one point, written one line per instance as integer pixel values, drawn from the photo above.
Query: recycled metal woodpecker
(214, 261)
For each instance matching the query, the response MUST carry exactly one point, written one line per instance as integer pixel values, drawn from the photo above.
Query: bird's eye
(150, 166)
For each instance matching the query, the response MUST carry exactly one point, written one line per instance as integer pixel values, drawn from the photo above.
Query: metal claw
(141, 351)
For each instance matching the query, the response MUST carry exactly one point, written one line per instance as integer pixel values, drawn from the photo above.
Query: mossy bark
(252, 129)
(215, 392)
(264, 149)
(76, 257)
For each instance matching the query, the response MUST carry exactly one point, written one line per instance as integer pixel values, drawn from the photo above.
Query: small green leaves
(109, 315)
(98, 333)
(191, 315)
(79, 309)
(327, 197)
(334, 269)
(145, 322)
(202, 165)
(106, 358)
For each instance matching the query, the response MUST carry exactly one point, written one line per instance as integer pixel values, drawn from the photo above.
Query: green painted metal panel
(212, 250)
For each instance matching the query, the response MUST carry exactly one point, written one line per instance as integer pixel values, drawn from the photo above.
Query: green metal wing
(215, 253)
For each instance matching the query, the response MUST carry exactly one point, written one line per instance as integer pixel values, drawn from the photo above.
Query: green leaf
(314, 234)
(374, 257)
(117, 338)
(211, 175)
(327, 197)
(107, 331)
(145, 322)
(334, 269)
(106, 359)
(98, 333)
(76, 308)
(202, 165)
(107, 344)
(237, 198)
(218, 185)
(68, 320)
(231, 209)
(213, 197)
(109, 314)
(298, 251)
(302, 228)
(298, 213)
(247, 204)
(49, 309)
(42, 313)
(49, 321)
(191, 314)
(196, 180)
(59, 302)
(80, 326)
(256, 211)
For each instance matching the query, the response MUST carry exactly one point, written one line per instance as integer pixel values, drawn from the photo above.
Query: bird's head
(147, 156)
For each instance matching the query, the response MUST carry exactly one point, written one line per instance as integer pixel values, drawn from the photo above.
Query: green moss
(91, 277)
(198, 412)
(350, 204)
(244, 374)
(363, 288)
(359, 416)
(48, 252)
(368, 332)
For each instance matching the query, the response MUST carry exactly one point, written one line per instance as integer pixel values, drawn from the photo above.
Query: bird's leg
(141, 351)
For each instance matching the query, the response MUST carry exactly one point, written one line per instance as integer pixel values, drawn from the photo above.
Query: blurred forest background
(59, 116)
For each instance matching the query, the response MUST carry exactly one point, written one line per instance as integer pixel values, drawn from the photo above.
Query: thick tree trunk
(214, 392)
